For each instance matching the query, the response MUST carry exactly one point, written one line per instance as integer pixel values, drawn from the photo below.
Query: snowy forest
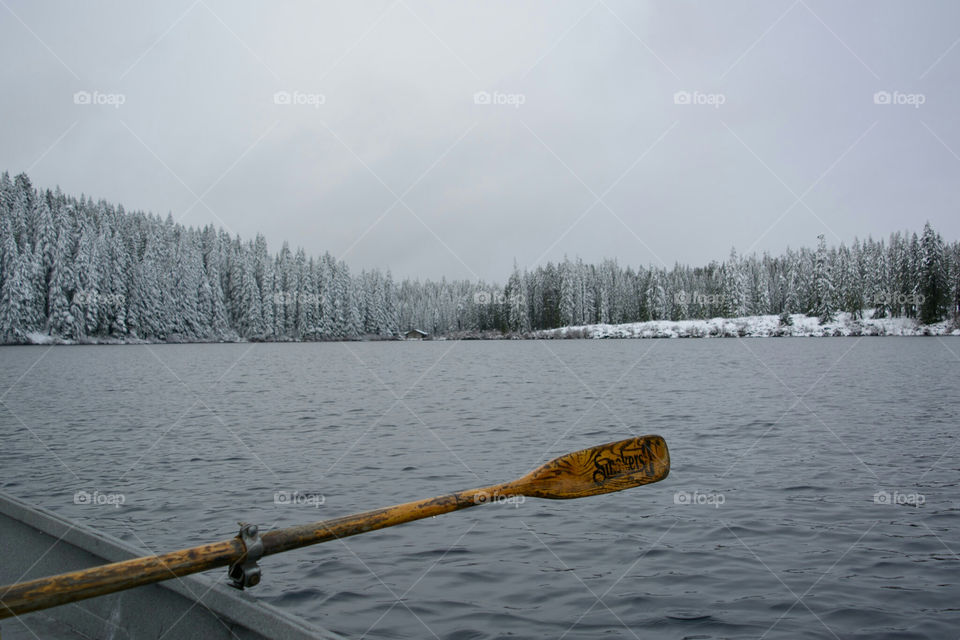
(80, 270)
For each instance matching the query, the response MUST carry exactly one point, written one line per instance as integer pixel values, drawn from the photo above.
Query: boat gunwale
(221, 600)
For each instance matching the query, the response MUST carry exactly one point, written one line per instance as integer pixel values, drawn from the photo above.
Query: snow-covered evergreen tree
(823, 284)
(732, 286)
(14, 289)
(251, 299)
(932, 285)
(516, 293)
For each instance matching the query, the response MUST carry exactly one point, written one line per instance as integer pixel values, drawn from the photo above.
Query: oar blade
(606, 468)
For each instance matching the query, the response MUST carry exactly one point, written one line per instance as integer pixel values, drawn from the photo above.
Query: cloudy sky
(450, 139)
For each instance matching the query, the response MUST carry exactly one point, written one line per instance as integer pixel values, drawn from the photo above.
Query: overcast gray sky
(646, 132)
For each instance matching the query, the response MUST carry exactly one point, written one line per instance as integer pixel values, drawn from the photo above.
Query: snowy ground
(745, 327)
(35, 337)
(754, 327)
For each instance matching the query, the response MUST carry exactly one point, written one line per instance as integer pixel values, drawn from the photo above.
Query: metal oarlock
(247, 572)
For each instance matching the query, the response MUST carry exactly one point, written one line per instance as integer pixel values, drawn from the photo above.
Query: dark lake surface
(814, 490)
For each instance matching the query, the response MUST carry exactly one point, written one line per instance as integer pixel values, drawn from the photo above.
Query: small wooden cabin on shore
(415, 334)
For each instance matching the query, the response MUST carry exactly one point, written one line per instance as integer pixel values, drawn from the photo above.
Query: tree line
(82, 269)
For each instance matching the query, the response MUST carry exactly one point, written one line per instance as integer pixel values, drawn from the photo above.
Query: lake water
(814, 490)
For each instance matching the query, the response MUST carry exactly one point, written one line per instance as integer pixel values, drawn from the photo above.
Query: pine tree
(955, 286)
(46, 252)
(823, 283)
(878, 272)
(146, 297)
(63, 283)
(234, 283)
(850, 289)
(300, 296)
(251, 319)
(13, 290)
(88, 298)
(216, 313)
(585, 302)
(326, 295)
(393, 307)
(287, 286)
(518, 319)
(932, 283)
(657, 295)
(912, 287)
(119, 274)
(568, 291)
(188, 285)
(263, 272)
(310, 309)
(21, 212)
(732, 287)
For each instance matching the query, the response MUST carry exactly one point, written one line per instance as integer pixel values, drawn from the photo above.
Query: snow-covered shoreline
(766, 326)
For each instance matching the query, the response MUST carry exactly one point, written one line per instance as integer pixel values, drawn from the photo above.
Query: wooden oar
(603, 469)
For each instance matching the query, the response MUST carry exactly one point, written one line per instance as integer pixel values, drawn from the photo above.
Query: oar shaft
(307, 534)
(43, 593)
